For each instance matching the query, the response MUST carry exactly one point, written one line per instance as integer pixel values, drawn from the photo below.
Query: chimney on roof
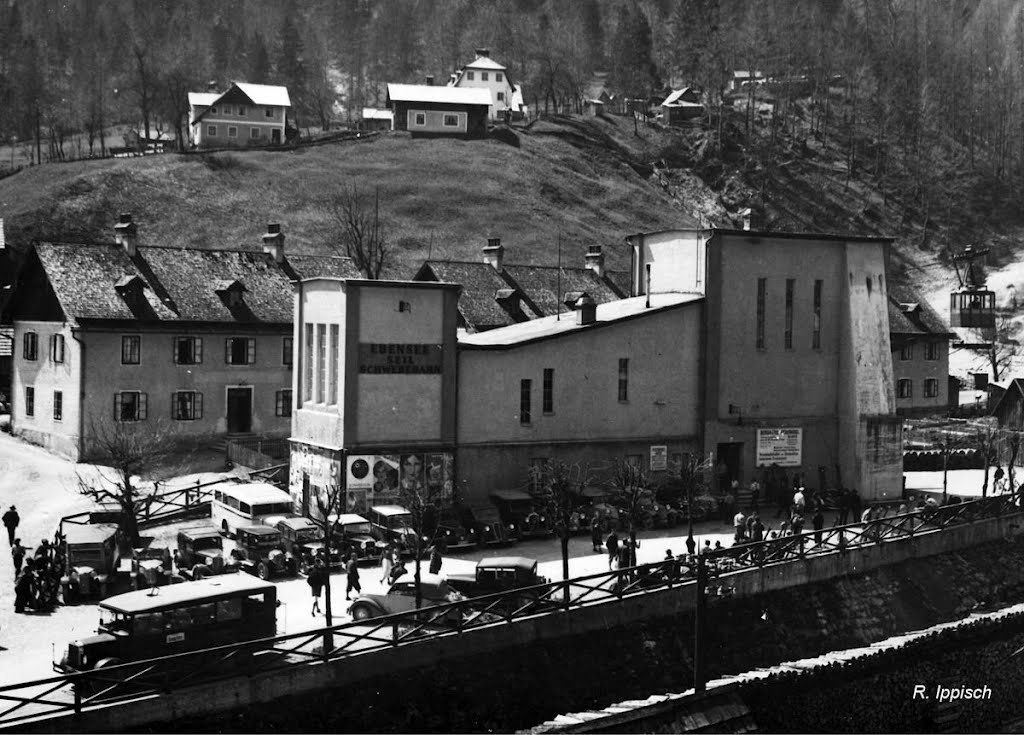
(746, 214)
(594, 260)
(494, 253)
(430, 80)
(126, 234)
(484, 52)
(452, 78)
(273, 242)
(586, 310)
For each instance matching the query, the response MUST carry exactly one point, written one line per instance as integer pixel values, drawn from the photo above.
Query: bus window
(253, 605)
(148, 624)
(179, 619)
(204, 614)
(244, 508)
(218, 496)
(232, 502)
(229, 609)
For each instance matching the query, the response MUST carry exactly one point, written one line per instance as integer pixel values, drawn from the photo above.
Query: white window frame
(450, 116)
(232, 131)
(211, 131)
(419, 119)
(141, 406)
(254, 133)
(138, 350)
(194, 410)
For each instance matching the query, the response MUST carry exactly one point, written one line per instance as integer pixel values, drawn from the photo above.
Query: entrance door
(239, 410)
(275, 135)
(730, 464)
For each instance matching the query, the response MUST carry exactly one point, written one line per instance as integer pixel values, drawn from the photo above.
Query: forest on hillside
(924, 97)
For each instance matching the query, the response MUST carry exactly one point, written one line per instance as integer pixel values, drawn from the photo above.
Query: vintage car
(451, 532)
(260, 551)
(392, 524)
(401, 597)
(353, 533)
(89, 551)
(497, 574)
(201, 545)
(518, 511)
(303, 539)
(486, 527)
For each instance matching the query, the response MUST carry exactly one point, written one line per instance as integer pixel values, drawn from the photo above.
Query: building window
(321, 362)
(483, 76)
(31, 346)
(269, 112)
(240, 350)
(548, 396)
(186, 405)
(451, 121)
(57, 348)
(242, 111)
(904, 388)
(254, 132)
(58, 405)
(498, 78)
(623, 379)
(283, 403)
(332, 374)
(524, 401)
(232, 131)
(287, 347)
(762, 294)
(188, 350)
(130, 405)
(30, 401)
(931, 388)
(907, 352)
(469, 75)
(788, 334)
(227, 110)
(213, 110)
(131, 350)
(307, 372)
(211, 130)
(931, 350)
(816, 335)
(501, 96)
(420, 118)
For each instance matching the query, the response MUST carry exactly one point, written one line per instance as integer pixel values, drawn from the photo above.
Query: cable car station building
(748, 349)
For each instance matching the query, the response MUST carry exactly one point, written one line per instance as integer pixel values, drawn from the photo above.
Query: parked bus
(181, 617)
(248, 504)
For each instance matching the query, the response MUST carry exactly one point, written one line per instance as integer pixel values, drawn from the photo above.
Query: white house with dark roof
(244, 115)
(486, 73)
(131, 333)
(428, 111)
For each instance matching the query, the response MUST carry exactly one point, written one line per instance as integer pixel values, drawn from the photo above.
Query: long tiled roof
(909, 313)
(546, 290)
(481, 284)
(179, 284)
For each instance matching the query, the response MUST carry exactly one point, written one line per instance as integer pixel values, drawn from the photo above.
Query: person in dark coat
(18, 554)
(316, 579)
(435, 560)
(23, 587)
(352, 574)
(595, 534)
(818, 521)
(612, 544)
(11, 521)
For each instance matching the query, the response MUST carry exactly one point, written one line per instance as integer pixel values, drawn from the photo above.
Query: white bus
(248, 504)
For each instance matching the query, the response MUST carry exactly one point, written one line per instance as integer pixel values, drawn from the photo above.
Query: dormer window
(230, 292)
(130, 289)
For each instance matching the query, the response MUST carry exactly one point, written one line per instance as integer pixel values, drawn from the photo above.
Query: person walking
(612, 544)
(595, 534)
(387, 561)
(352, 574)
(316, 581)
(739, 524)
(18, 554)
(435, 560)
(757, 529)
(11, 520)
(818, 521)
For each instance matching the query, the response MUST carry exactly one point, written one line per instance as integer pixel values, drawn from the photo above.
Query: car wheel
(263, 571)
(361, 612)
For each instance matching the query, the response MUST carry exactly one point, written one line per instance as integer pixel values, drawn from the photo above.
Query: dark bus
(181, 617)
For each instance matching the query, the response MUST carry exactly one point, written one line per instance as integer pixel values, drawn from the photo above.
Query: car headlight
(542, 519)
(487, 528)
(512, 526)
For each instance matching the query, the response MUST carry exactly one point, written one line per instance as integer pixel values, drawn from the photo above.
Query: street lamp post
(691, 545)
(699, 620)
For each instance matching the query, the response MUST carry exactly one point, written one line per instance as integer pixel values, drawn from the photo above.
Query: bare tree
(628, 486)
(362, 237)
(1003, 348)
(131, 450)
(415, 498)
(985, 441)
(556, 487)
(330, 503)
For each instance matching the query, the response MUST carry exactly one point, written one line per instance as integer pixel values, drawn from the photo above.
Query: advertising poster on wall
(378, 479)
(385, 478)
(659, 458)
(781, 447)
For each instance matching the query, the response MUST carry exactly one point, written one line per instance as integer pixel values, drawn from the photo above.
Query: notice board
(782, 447)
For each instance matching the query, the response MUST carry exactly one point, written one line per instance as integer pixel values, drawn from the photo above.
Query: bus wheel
(361, 612)
(263, 571)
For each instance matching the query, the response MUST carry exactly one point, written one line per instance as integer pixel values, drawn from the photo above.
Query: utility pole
(699, 622)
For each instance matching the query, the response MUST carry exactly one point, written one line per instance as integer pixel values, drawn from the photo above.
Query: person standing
(11, 521)
(435, 560)
(612, 544)
(23, 586)
(757, 529)
(316, 583)
(739, 524)
(18, 554)
(595, 534)
(387, 561)
(818, 521)
(352, 574)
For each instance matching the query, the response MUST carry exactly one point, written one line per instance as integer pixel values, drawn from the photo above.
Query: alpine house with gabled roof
(244, 115)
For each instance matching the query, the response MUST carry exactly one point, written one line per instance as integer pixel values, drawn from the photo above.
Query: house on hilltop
(919, 339)
(124, 332)
(682, 105)
(498, 294)
(428, 111)
(244, 115)
(486, 73)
